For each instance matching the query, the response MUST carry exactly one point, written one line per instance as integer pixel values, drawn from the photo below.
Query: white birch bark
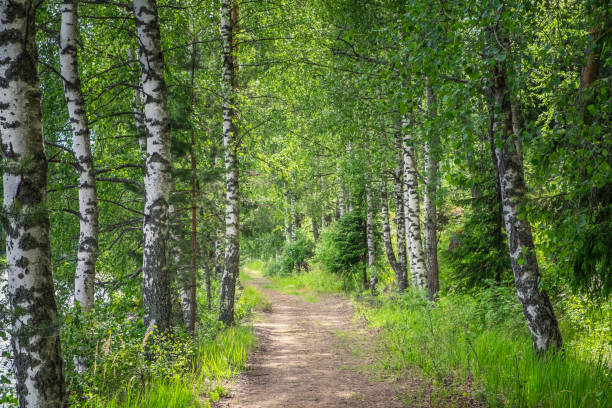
(178, 256)
(402, 261)
(412, 210)
(370, 240)
(156, 277)
(537, 307)
(429, 202)
(35, 327)
(230, 143)
(87, 253)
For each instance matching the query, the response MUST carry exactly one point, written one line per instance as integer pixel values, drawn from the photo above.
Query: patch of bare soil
(316, 355)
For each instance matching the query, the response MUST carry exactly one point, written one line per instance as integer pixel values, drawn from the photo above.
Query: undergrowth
(481, 342)
(177, 371)
(307, 284)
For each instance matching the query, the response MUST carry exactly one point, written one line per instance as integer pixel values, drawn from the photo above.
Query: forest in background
(446, 162)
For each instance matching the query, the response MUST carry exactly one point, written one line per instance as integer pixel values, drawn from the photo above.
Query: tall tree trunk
(370, 240)
(194, 207)
(432, 147)
(177, 256)
(402, 261)
(293, 219)
(141, 131)
(219, 256)
(156, 277)
(315, 229)
(497, 215)
(87, 254)
(412, 208)
(230, 142)
(384, 206)
(536, 305)
(35, 327)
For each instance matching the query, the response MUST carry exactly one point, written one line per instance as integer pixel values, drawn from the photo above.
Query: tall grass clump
(480, 341)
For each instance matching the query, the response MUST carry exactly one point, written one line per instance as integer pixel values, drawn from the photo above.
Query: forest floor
(314, 354)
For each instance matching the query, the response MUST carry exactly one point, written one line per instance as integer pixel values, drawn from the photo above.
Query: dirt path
(306, 358)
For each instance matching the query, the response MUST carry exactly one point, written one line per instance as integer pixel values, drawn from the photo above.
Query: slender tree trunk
(207, 283)
(35, 327)
(387, 234)
(230, 142)
(412, 208)
(315, 229)
(402, 277)
(194, 214)
(177, 256)
(536, 305)
(288, 222)
(156, 277)
(219, 256)
(141, 131)
(431, 187)
(370, 240)
(87, 254)
(293, 219)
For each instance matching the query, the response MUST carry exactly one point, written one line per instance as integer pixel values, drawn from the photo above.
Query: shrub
(294, 258)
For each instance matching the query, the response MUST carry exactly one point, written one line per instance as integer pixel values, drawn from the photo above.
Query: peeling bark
(34, 322)
(412, 208)
(402, 261)
(537, 307)
(87, 254)
(230, 143)
(155, 272)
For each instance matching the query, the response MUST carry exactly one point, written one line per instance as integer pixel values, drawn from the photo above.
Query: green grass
(482, 344)
(307, 284)
(204, 378)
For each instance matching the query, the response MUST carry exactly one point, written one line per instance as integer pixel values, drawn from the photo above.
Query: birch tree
(370, 239)
(155, 272)
(87, 253)
(402, 261)
(35, 328)
(412, 208)
(230, 144)
(537, 307)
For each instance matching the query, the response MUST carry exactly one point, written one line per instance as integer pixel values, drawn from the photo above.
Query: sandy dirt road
(307, 358)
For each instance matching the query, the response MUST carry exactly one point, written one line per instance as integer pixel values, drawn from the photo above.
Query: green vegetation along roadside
(185, 373)
(479, 342)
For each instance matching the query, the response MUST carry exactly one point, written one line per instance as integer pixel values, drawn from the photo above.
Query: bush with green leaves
(294, 258)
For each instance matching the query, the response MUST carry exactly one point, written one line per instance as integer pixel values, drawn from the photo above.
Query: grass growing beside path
(188, 373)
(479, 344)
(463, 341)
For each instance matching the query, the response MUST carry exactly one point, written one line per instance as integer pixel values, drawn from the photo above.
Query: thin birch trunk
(370, 240)
(230, 142)
(412, 208)
(35, 327)
(537, 307)
(177, 256)
(194, 215)
(431, 187)
(141, 131)
(87, 254)
(384, 206)
(156, 277)
(293, 219)
(402, 261)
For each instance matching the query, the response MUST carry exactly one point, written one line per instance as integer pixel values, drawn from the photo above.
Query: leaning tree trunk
(384, 206)
(35, 327)
(230, 142)
(429, 202)
(370, 240)
(156, 277)
(412, 209)
(87, 253)
(536, 305)
(402, 261)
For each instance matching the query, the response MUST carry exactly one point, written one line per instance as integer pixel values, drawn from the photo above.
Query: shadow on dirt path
(306, 358)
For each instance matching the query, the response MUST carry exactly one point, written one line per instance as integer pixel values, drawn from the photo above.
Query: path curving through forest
(310, 354)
